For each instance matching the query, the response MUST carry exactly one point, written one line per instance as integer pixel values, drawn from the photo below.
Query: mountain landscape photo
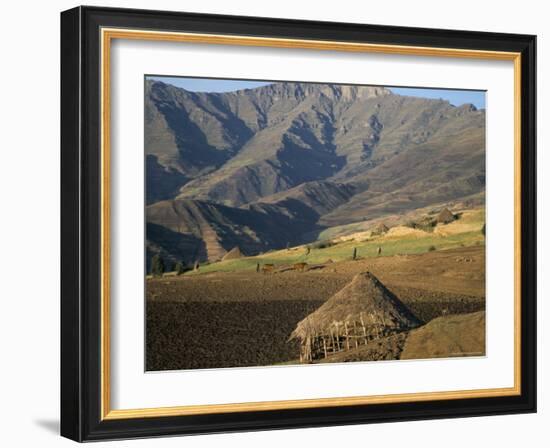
(291, 222)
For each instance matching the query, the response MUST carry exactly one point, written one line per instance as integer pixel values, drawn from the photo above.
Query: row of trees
(158, 267)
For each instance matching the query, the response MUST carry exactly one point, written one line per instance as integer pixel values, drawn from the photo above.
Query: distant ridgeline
(272, 166)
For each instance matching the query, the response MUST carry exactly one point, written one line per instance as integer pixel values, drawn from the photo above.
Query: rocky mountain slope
(307, 155)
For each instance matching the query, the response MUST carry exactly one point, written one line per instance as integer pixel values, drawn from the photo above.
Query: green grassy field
(460, 234)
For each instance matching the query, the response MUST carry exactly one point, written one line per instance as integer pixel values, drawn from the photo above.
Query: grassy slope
(464, 232)
(474, 216)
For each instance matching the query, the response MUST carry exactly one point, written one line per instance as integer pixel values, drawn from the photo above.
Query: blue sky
(209, 85)
(455, 97)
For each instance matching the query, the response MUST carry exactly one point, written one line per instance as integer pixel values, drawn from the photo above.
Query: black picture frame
(81, 224)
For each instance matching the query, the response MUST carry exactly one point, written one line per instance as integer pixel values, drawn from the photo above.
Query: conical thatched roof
(364, 302)
(233, 254)
(445, 216)
(382, 228)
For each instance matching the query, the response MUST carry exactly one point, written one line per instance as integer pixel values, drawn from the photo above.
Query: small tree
(157, 266)
(179, 268)
(355, 253)
(483, 230)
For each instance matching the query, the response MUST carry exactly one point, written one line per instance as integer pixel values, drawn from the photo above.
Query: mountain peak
(352, 92)
(333, 91)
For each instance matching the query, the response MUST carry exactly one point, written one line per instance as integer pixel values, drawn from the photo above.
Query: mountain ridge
(323, 154)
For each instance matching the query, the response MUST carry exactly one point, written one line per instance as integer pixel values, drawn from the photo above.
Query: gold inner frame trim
(107, 35)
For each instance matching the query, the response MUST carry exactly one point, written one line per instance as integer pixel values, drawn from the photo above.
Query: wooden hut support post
(364, 329)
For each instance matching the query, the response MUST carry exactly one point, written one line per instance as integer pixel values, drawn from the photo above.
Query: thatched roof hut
(233, 254)
(363, 310)
(445, 216)
(382, 228)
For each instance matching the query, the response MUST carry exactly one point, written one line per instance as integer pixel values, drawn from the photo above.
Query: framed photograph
(277, 224)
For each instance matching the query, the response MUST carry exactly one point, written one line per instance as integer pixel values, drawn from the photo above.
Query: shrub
(425, 224)
(322, 244)
(431, 248)
(428, 227)
(180, 268)
(157, 266)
